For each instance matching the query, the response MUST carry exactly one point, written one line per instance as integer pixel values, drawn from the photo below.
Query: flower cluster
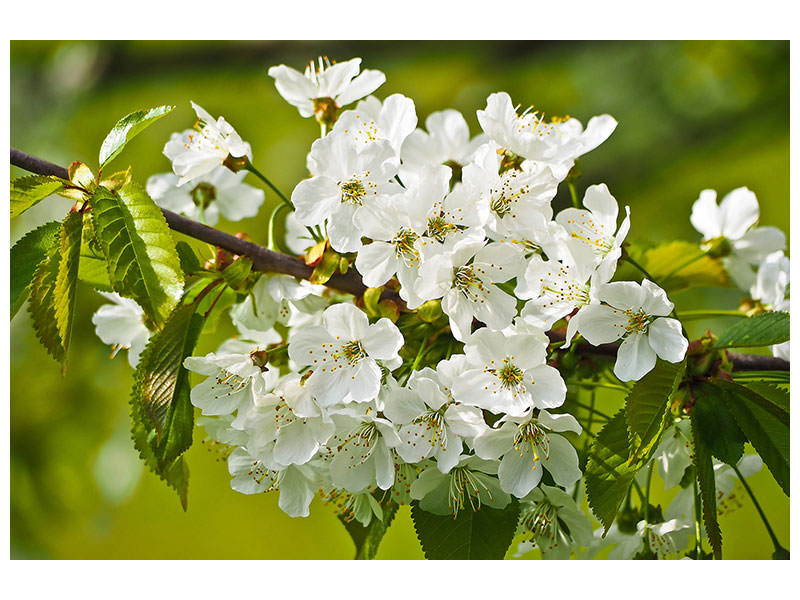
(446, 391)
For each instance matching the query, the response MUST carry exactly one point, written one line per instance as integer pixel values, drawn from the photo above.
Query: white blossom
(121, 325)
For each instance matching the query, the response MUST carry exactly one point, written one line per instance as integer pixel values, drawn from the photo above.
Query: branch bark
(274, 262)
(263, 258)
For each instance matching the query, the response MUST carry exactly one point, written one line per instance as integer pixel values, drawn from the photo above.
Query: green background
(692, 115)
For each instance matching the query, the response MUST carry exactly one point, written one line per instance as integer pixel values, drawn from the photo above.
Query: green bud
(203, 195)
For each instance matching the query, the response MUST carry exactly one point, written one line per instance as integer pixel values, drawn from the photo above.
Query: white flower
(725, 479)
(325, 81)
(733, 221)
(465, 280)
(233, 383)
(664, 539)
(251, 475)
(771, 287)
(557, 143)
(553, 522)
(220, 192)
(526, 445)
(395, 248)
(675, 453)
(343, 354)
(509, 194)
(362, 455)
(592, 232)
(287, 424)
(121, 325)
(637, 315)
(555, 289)
(430, 423)
(344, 180)
(196, 152)
(505, 372)
(274, 299)
(446, 142)
(372, 120)
(470, 484)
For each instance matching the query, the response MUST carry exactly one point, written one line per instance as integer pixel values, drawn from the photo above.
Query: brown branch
(273, 262)
(263, 259)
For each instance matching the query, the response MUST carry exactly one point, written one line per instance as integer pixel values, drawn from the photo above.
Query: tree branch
(273, 262)
(263, 259)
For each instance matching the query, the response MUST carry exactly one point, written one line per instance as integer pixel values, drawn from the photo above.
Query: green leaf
(715, 424)
(142, 261)
(93, 269)
(704, 467)
(126, 129)
(772, 399)
(189, 261)
(31, 189)
(484, 534)
(646, 405)
(235, 274)
(768, 434)
(367, 539)
(26, 255)
(662, 260)
(608, 470)
(764, 329)
(162, 413)
(52, 291)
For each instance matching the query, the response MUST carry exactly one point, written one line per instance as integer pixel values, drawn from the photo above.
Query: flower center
(637, 322)
(541, 521)
(467, 281)
(466, 489)
(506, 196)
(434, 422)
(439, 228)
(353, 191)
(404, 247)
(203, 195)
(530, 434)
(259, 472)
(564, 289)
(352, 352)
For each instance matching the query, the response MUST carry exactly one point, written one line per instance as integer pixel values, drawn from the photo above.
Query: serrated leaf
(647, 402)
(52, 290)
(367, 539)
(484, 534)
(161, 382)
(608, 470)
(142, 261)
(93, 269)
(162, 413)
(764, 329)
(189, 261)
(704, 468)
(26, 255)
(117, 180)
(175, 475)
(768, 434)
(662, 260)
(235, 274)
(126, 129)
(772, 399)
(715, 424)
(30, 190)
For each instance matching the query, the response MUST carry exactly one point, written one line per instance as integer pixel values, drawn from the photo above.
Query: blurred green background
(692, 115)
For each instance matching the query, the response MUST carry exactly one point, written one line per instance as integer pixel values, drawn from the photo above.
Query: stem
(696, 315)
(272, 244)
(638, 489)
(761, 514)
(640, 268)
(249, 167)
(214, 303)
(591, 409)
(573, 194)
(599, 384)
(684, 264)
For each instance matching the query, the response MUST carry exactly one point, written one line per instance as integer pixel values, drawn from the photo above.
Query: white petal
(635, 358)
(562, 461)
(705, 215)
(315, 199)
(666, 339)
(382, 340)
(738, 211)
(520, 471)
(602, 324)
